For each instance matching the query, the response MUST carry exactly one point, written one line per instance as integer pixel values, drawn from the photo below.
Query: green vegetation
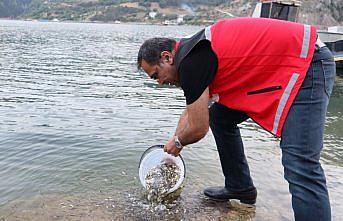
(192, 11)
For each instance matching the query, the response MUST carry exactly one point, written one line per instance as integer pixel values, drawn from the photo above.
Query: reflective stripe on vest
(208, 33)
(306, 41)
(283, 101)
(293, 80)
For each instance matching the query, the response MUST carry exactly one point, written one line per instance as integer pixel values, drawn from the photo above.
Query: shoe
(222, 194)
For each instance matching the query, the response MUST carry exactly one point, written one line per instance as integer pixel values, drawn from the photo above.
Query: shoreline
(160, 23)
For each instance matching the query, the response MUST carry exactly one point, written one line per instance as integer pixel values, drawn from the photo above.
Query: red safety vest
(261, 65)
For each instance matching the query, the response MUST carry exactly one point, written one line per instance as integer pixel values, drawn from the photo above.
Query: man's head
(156, 58)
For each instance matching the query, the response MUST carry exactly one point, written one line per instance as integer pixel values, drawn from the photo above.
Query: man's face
(164, 72)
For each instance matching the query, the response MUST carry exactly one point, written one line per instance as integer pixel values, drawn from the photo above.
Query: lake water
(76, 115)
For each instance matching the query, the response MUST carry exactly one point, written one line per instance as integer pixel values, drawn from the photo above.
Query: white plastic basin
(154, 156)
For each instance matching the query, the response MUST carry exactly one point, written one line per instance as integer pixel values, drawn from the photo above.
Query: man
(277, 73)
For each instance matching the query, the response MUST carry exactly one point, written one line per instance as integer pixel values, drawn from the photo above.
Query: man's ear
(167, 57)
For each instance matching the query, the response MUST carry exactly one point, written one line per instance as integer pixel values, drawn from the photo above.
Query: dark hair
(151, 50)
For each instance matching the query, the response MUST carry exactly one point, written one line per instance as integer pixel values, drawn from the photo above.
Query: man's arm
(193, 124)
(198, 120)
(183, 122)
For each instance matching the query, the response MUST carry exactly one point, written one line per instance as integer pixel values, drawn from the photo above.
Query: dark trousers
(301, 142)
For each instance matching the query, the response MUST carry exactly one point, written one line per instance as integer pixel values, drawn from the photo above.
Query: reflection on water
(75, 116)
(333, 143)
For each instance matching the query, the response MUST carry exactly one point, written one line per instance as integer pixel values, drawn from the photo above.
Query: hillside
(319, 12)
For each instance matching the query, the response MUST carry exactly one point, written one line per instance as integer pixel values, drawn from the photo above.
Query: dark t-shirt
(197, 70)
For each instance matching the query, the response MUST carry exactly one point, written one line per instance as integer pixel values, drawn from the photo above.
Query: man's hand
(171, 148)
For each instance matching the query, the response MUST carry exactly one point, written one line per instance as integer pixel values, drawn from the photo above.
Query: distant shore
(161, 23)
